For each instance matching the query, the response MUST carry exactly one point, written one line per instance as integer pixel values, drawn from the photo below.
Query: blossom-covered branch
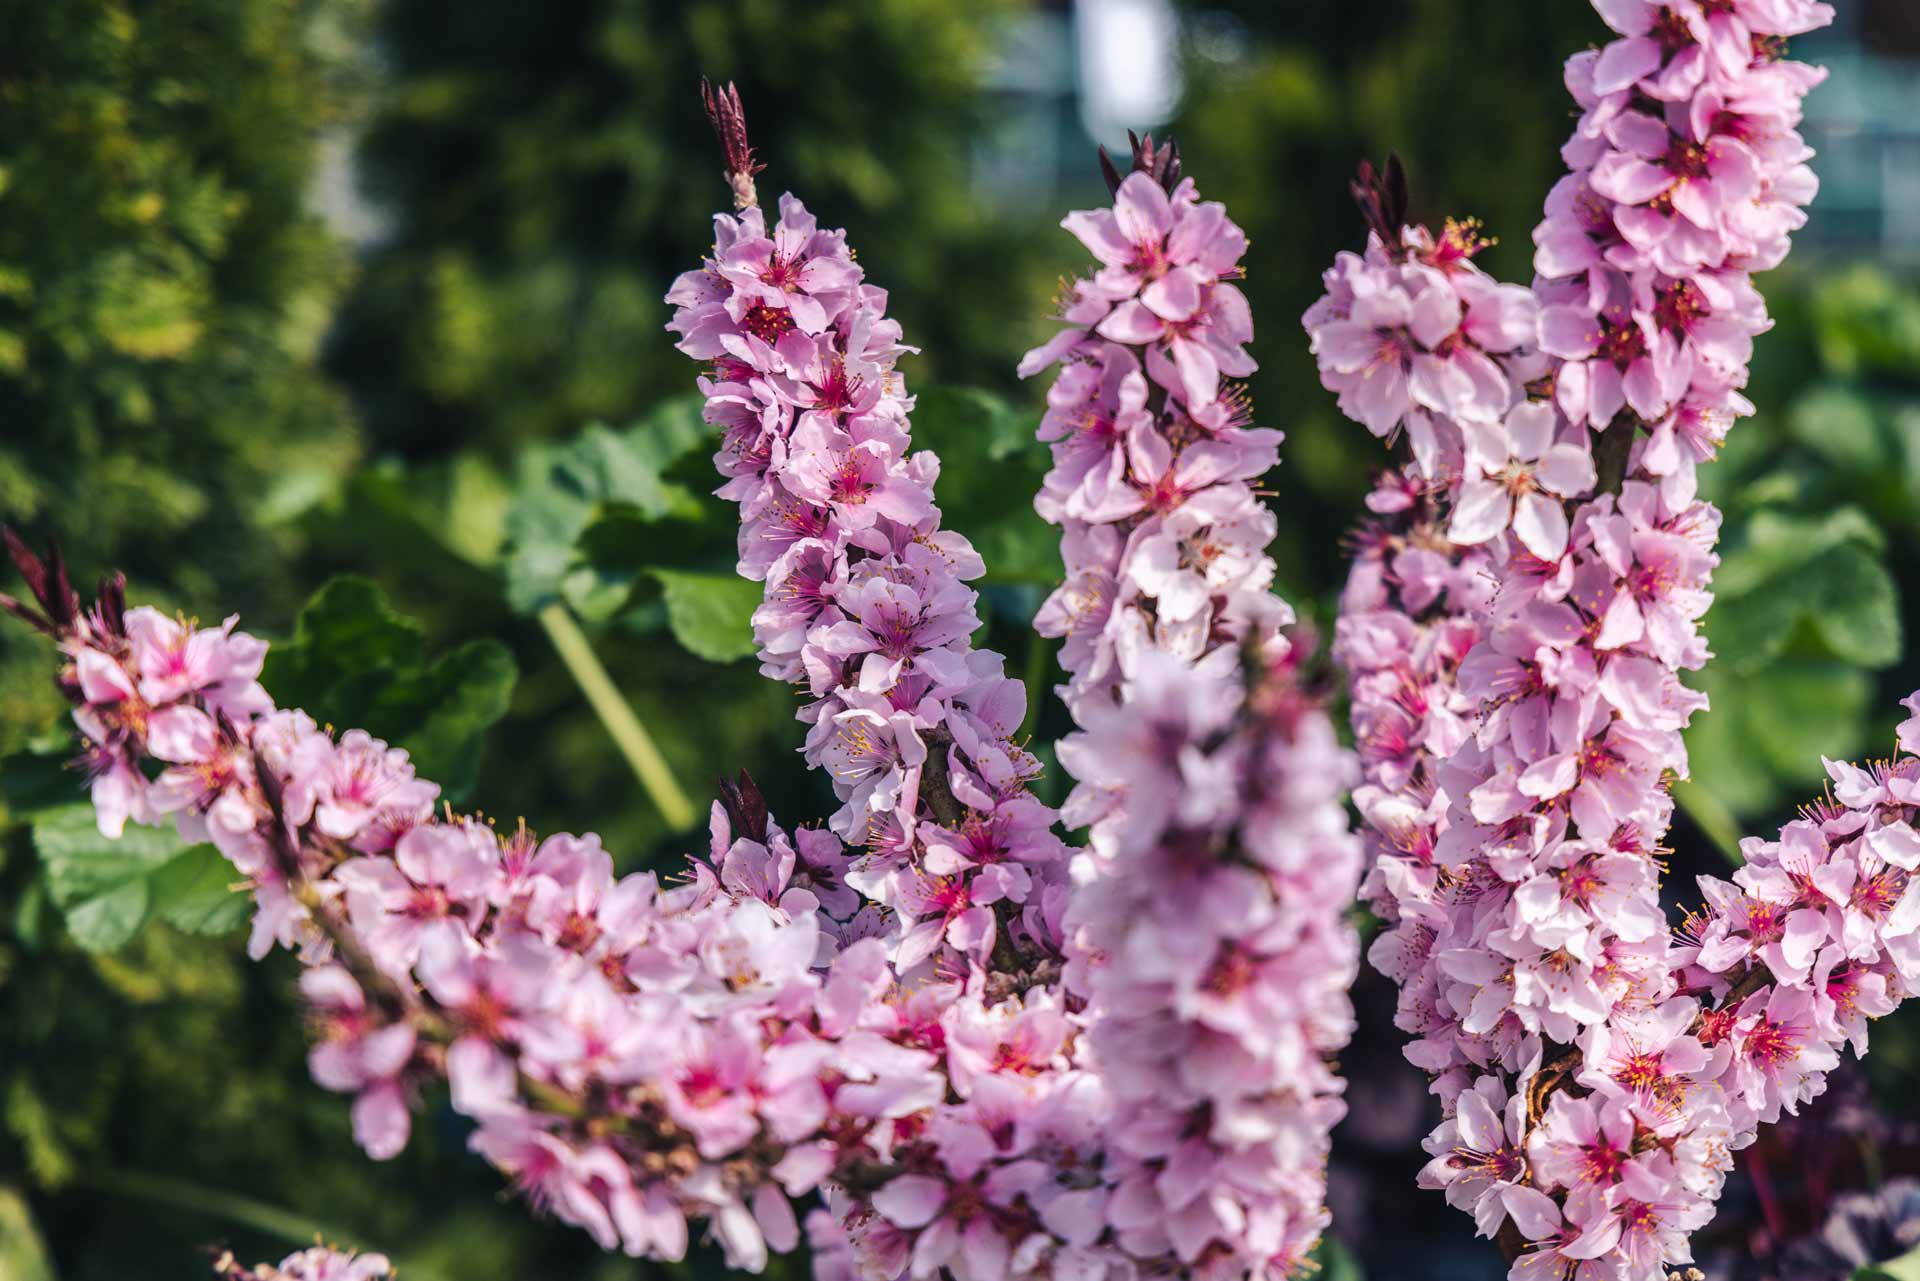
(1562, 1024)
(632, 1054)
(867, 607)
(1207, 929)
(1154, 452)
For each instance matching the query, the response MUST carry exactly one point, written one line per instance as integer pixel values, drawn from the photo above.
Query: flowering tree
(935, 1034)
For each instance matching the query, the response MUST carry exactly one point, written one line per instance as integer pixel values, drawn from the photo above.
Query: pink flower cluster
(1517, 733)
(632, 1054)
(1408, 618)
(1163, 538)
(1019, 1170)
(897, 1031)
(1208, 937)
(866, 605)
(1412, 335)
(1818, 933)
(320, 1263)
(1210, 942)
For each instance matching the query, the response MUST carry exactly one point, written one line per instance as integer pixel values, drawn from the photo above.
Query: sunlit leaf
(108, 888)
(1904, 1268)
(711, 614)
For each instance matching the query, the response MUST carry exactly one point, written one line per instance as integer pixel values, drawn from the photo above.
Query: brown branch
(936, 783)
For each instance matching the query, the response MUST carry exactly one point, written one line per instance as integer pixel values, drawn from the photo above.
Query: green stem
(628, 734)
(23, 1252)
(1039, 651)
(1712, 816)
(217, 1203)
(230, 1207)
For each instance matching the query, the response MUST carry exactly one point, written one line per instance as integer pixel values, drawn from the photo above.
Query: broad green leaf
(1815, 585)
(1867, 320)
(615, 557)
(446, 710)
(561, 490)
(1799, 711)
(348, 629)
(460, 503)
(107, 921)
(356, 662)
(34, 780)
(1858, 613)
(1838, 422)
(109, 888)
(711, 615)
(1760, 740)
(1773, 542)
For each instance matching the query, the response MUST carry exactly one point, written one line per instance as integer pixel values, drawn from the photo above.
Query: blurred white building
(1865, 123)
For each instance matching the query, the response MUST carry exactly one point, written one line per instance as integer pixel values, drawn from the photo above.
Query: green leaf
(1774, 542)
(32, 780)
(1815, 586)
(1803, 710)
(196, 892)
(1839, 423)
(619, 551)
(109, 888)
(562, 490)
(1759, 742)
(459, 503)
(991, 466)
(711, 615)
(346, 630)
(446, 710)
(1861, 620)
(356, 662)
(1904, 1268)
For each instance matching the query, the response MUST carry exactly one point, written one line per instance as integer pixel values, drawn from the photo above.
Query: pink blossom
(1519, 477)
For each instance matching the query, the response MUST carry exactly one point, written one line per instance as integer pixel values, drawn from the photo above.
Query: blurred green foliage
(164, 291)
(480, 412)
(552, 172)
(1815, 607)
